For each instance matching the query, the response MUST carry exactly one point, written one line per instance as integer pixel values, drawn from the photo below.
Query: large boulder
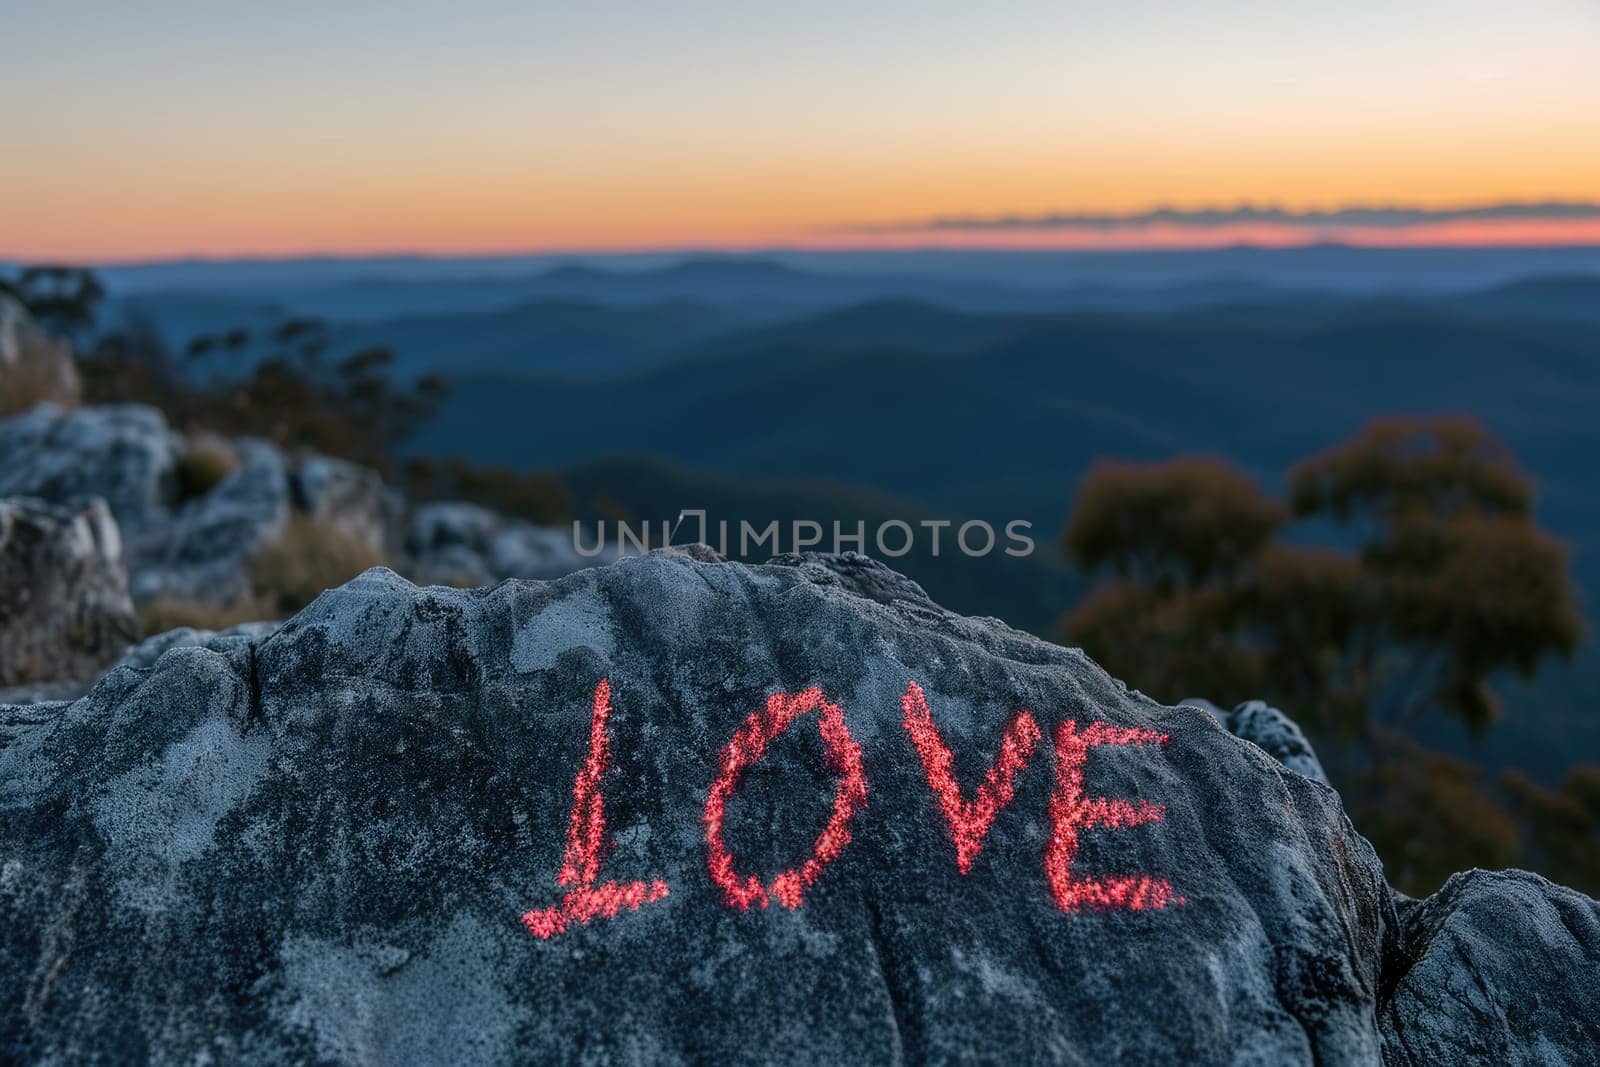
(203, 552)
(674, 810)
(1496, 967)
(64, 607)
(123, 454)
(349, 498)
(34, 367)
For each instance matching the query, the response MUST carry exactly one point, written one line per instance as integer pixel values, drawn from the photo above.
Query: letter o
(744, 750)
(961, 537)
(883, 549)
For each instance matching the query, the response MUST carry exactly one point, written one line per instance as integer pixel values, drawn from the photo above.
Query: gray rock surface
(859, 574)
(196, 549)
(443, 524)
(523, 550)
(50, 692)
(122, 454)
(1496, 967)
(456, 543)
(1271, 731)
(203, 552)
(348, 497)
(145, 654)
(64, 606)
(339, 843)
(200, 549)
(34, 367)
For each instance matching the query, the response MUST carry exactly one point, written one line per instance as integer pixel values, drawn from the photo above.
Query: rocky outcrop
(1496, 967)
(199, 547)
(674, 810)
(853, 572)
(453, 543)
(447, 543)
(49, 692)
(34, 367)
(202, 553)
(143, 656)
(1271, 731)
(64, 606)
(146, 653)
(349, 498)
(123, 454)
(194, 549)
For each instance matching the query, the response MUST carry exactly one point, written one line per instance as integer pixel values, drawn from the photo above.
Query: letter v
(587, 897)
(969, 820)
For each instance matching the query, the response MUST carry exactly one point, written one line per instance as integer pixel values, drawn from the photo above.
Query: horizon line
(696, 251)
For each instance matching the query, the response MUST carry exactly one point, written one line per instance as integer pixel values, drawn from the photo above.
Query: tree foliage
(1462, 573)
(295, 395)
(1170, 525)
(1564, 823)
(289, 384)
(1444, 579)
(1439, 579)
(279, 384)
(61, 299)
(1429, 814)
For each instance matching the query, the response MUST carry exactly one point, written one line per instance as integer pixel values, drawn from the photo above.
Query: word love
(1070, 810)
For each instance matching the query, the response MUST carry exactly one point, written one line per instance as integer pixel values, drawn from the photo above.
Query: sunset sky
(189, 128)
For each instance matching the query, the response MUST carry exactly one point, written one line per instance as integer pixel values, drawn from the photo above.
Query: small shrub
(308, 558)
(285, 576)
(203, 464)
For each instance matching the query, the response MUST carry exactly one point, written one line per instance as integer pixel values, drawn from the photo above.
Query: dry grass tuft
(308, 558)
(27, 383)
(204, 462)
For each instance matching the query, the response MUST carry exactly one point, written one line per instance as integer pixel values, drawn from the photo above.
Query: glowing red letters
(745, 749)
(969, 820)
(587, 897)
(1070, 810)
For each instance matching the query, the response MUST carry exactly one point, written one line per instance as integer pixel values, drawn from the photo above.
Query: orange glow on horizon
(1461, 234)
(179, 131)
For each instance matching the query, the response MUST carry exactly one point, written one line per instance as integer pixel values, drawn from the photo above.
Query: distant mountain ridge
(563, 336)
(761, 297)
(1330, 266)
